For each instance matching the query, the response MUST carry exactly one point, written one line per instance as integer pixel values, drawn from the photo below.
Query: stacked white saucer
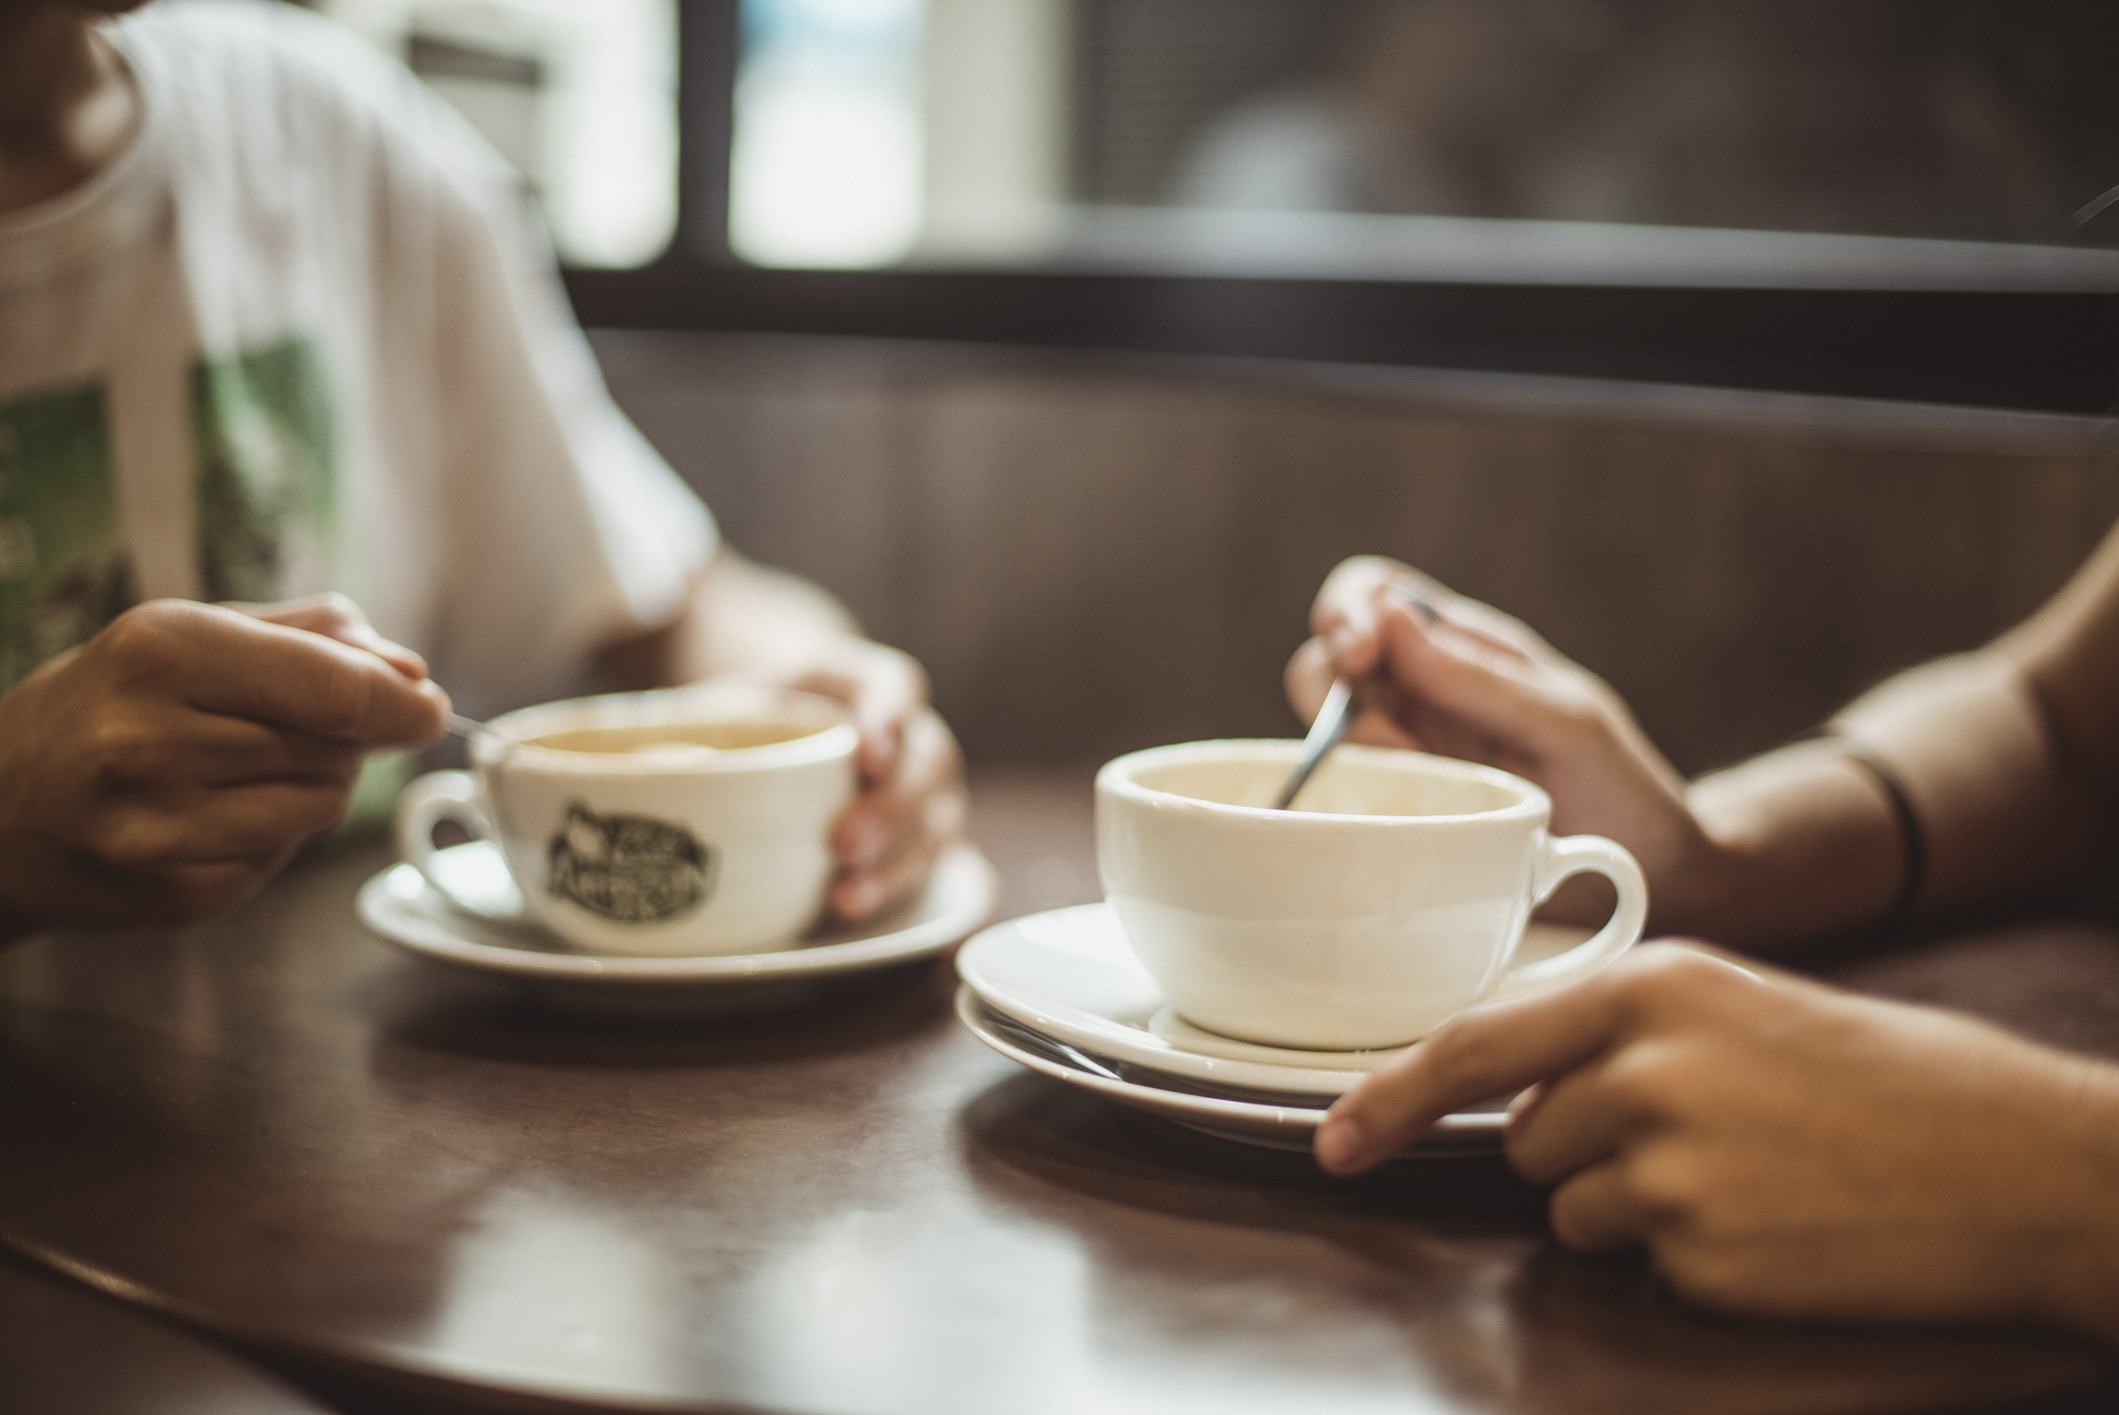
(1061, 992)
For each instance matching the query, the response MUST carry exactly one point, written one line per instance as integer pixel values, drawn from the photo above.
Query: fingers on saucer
(1343, 1145)
(1584, 1117)
(1491, 1051)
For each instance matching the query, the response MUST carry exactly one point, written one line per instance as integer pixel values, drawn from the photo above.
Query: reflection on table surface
(412, 1189)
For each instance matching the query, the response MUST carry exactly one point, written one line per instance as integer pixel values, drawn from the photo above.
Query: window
(828, 156)
(1896, 198)
(580, 98)
(873, 133)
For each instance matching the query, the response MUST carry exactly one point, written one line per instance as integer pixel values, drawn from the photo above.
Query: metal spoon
(1326, 732)
(472, 730)
(1336, 715)
(468, 728)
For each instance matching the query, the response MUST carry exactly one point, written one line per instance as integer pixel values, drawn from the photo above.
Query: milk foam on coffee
(729, 736)
(1331, 792)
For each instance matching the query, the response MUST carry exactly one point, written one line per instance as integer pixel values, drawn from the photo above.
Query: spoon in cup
(468, 728)
(1327, 730)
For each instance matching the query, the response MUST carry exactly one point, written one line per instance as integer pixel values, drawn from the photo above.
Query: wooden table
(405, 1189)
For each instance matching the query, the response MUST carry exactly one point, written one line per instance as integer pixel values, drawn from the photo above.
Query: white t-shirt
(303, 335)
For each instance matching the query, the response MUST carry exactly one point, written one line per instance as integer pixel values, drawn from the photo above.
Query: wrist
(1698, 888)
(2072, 1278)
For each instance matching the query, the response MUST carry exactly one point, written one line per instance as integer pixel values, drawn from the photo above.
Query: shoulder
(214, 47)
(287, 86)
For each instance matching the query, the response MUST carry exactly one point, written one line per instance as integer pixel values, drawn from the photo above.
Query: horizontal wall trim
(1180, 242)
(2041, 351)
(1844, 421)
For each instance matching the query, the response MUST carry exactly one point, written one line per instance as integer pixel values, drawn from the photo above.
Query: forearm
(1797, 844)
(741, 617)
(2003, 812)
(750, 617)
(1806, 841)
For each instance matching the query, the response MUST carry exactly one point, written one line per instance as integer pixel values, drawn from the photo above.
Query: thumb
(1308, 677)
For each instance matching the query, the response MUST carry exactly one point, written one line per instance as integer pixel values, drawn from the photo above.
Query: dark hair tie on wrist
(1911, 836)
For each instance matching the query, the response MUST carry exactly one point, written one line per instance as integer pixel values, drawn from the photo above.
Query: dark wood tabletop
(273, 1164)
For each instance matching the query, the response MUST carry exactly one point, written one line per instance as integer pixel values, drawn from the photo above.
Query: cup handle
(1564, 857)
(427, 802)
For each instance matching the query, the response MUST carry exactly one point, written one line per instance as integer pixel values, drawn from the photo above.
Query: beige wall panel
(1096, 554)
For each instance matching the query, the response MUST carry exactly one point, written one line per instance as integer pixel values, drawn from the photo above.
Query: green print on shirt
(65, 571)
(266, 439)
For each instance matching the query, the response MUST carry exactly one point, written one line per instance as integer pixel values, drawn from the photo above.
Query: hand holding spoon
(1337, 713)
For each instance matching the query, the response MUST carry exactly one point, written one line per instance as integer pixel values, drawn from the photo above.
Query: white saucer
(1289, 1126)
(400, 905)
(1070, 975)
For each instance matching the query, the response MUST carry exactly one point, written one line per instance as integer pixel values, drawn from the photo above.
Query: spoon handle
(466, 727)
(1330, 726)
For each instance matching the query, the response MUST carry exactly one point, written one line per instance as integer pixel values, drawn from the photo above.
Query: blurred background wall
(1098, 551)
(1094, 553)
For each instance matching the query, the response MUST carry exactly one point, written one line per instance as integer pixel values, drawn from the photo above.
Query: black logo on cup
(633, 869)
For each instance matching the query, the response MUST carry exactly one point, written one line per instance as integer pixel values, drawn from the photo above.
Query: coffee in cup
(1393, 900)
(676, 823)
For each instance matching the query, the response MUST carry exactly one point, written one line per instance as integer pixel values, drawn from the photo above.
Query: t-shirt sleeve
(566, 532)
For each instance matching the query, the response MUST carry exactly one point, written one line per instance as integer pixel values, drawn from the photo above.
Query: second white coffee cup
(1393, 901)
(683, 822)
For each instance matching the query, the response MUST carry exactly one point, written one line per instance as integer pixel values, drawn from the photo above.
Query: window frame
(2020, 344)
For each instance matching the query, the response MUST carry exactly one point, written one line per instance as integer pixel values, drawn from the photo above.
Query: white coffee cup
(628, 831)
(1393, 900)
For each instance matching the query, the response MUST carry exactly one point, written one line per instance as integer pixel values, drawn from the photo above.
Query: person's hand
(1441, 673)
(1783, 1149)
(912, 801)
(165, 769)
